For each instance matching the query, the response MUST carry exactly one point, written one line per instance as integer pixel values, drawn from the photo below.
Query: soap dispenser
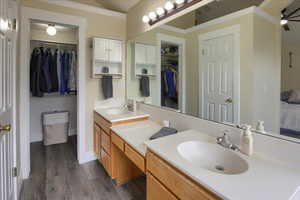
(260, 127)
(247, 141)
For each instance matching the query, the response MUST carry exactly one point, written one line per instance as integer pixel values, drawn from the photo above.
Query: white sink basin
(117, 111)
(212, 157)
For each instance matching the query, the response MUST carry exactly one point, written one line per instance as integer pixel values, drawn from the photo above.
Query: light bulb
(179, 1)
(160, 11)
(3, 25)
(146, 19)
(169, 5)
(152, 15)
(284, 21)
(51, 30)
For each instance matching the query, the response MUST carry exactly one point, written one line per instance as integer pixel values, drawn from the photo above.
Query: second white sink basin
(212, 157)
(117, 111)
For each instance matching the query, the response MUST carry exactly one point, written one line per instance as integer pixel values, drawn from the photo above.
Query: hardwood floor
(56, 175)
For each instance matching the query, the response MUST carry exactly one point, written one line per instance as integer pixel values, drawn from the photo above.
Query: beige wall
(100, 26)
(266, 69)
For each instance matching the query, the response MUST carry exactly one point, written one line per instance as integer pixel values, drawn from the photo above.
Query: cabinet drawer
(106, 161)
(118, 141)
(105, 125)
(156, 191)
(135, 157)
(105, 141)
(182, 186)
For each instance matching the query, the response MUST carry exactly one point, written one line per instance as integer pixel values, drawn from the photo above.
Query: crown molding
(87, 8)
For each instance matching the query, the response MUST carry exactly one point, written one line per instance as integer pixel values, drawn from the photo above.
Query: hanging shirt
(47, 57)
(58, 68)
(169, 76)
(73, 71)
(53, 71)
(36, 73)
(62, 88)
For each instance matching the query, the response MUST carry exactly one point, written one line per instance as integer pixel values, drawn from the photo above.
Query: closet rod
(57, 43)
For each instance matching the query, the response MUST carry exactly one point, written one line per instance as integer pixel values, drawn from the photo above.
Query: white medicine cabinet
(107, 57)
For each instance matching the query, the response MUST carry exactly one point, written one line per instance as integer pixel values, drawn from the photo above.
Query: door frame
(28, 14)
(182, 65)
(235, 31)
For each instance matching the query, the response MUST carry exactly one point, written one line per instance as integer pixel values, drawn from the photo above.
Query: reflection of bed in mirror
(290, 113)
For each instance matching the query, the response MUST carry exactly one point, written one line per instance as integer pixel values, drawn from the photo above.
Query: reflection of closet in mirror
(169, 75)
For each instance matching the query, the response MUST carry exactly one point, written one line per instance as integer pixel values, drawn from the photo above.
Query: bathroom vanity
(104, 119)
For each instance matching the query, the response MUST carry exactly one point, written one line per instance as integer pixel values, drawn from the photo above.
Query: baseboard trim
(88, 156)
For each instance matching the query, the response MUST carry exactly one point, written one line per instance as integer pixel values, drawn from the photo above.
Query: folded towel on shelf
(107, 86)
(144, 86)
(165, 131)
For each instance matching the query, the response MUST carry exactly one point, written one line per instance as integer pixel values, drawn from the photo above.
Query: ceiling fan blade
(286, 27)
(294, 20)
(292, 17)
(292, 13)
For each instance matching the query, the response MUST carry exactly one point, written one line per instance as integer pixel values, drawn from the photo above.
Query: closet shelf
(105, 61)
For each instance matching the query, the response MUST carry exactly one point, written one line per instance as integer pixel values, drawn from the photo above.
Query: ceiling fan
(294, 16)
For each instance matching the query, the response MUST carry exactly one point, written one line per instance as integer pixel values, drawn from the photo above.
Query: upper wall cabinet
(144, 57)
(145, 54)
(107, 57)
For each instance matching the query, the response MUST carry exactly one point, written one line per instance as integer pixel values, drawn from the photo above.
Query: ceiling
(118, 5)
(115, 5)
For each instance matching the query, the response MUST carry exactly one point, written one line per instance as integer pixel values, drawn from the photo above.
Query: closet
(169, 75)
(53, 76)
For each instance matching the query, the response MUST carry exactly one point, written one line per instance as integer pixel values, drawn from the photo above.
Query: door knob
(5, 128)
(229, 100)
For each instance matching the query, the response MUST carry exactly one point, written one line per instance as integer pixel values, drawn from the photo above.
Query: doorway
(171, 67)
(219, 64)
(29, 15)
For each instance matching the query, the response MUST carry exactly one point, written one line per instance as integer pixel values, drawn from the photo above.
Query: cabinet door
(97, 140)
(151, 55)
(115, 51)
(105, 141)
(140, 53)
(156, 191)
(106, 161)
(100, 49)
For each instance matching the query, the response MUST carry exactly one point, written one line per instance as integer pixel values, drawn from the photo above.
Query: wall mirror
(223, 62)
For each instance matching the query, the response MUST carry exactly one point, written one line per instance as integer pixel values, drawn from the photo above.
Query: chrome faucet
(225, 142)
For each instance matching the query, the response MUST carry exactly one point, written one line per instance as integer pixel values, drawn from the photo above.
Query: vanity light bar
(169, 9)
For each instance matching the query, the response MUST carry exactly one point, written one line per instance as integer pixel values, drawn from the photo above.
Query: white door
(218, 75)
(6, 109)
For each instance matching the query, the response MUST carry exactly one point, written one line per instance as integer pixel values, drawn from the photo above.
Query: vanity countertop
(115, 114)
(265, 178)
(137, 133)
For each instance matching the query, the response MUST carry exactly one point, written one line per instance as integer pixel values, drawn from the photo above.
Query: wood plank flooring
(56, 175)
